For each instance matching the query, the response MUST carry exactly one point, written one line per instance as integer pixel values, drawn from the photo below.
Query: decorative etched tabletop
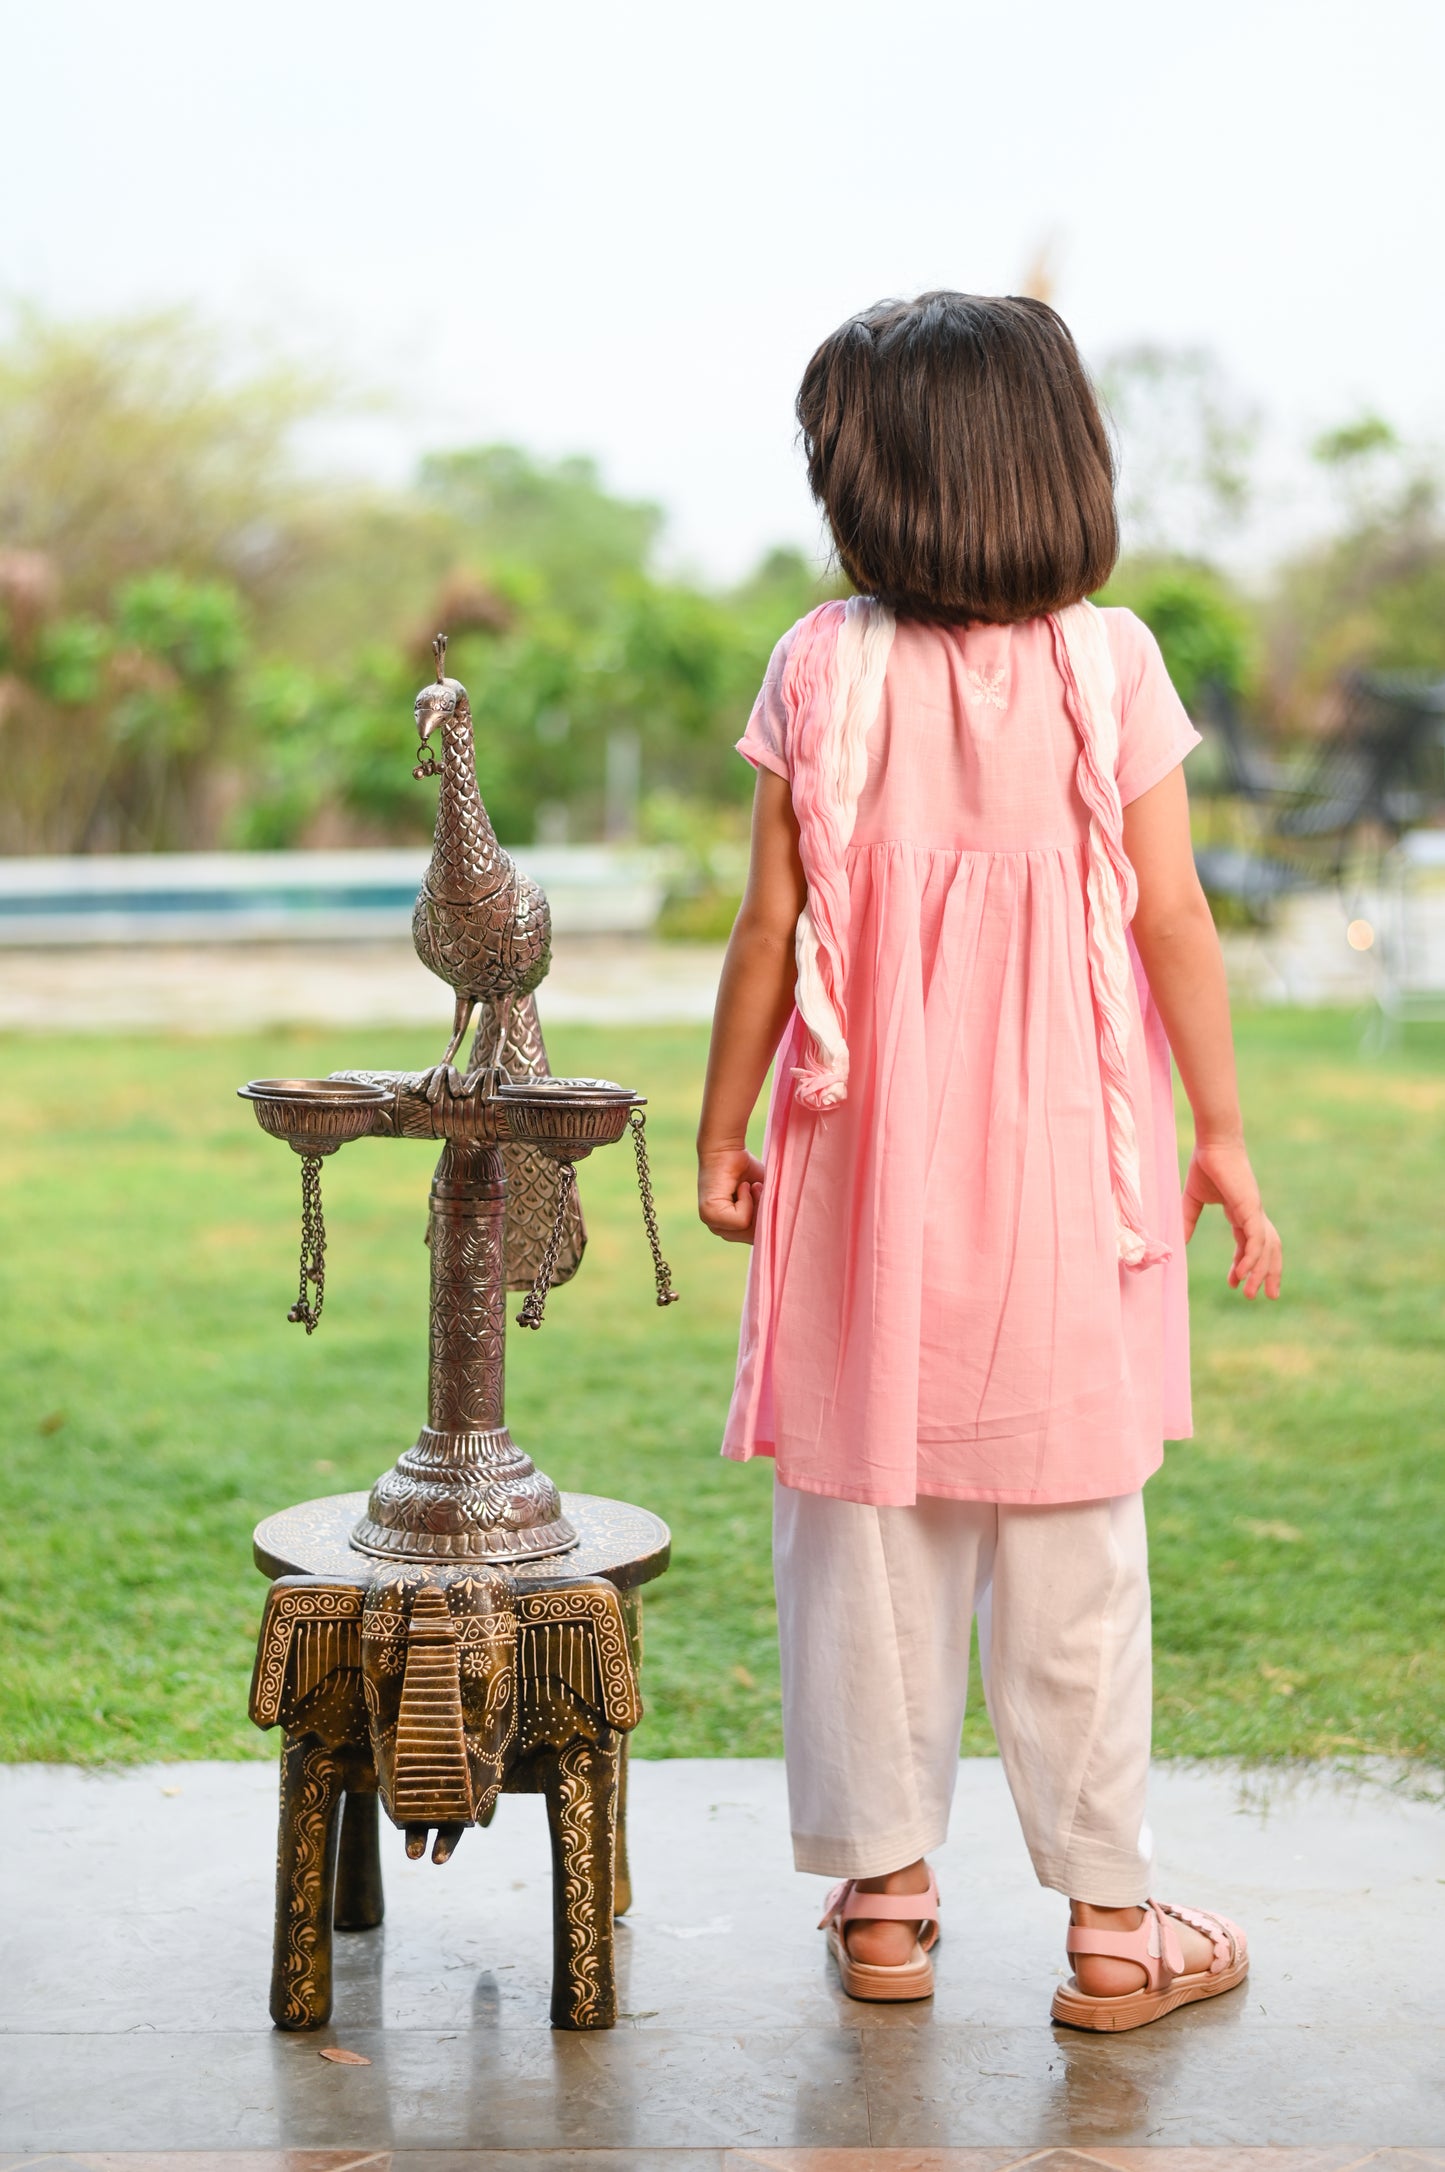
(615, 1539)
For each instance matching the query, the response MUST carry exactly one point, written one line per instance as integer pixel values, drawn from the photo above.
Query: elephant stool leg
(360, 1905)
(581, 1788)
(631, 1604)
(311, 1789)
(621, 1872)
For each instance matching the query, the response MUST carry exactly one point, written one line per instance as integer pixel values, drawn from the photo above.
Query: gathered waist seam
(1075, 851)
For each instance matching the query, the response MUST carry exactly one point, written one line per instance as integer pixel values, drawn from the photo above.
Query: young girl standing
(972, 934)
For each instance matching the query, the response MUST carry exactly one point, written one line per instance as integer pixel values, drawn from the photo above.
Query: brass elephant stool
(437, 1689)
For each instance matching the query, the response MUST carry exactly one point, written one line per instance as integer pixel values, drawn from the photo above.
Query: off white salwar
(875, 1609)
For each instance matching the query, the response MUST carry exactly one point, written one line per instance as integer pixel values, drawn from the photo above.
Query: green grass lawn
(155, 1403)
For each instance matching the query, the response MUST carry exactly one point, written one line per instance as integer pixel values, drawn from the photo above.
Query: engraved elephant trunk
(439, 1670)
(429, 1784)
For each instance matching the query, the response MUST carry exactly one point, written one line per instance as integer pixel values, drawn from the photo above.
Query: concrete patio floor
(136, 1912)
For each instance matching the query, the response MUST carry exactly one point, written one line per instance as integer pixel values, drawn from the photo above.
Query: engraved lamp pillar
(465, 1491)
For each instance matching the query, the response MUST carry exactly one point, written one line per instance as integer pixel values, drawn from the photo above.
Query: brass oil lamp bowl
(503, 1206)
(564, 1118)
(314, 1116)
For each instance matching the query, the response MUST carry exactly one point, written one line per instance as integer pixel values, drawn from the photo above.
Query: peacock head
(437, 703)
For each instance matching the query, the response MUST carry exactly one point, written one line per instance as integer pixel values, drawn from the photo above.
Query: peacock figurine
(479, 924)
(485, 928)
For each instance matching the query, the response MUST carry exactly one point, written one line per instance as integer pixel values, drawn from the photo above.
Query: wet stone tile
(1406, 2160)
(1344, 2157)
(869, 2160)
(1062, 2160)
(238, 2160)
(515, 2089)
(735, 2032)
(1176, 2082)
(470, 1947)
(632, 2089)
(559, 2160)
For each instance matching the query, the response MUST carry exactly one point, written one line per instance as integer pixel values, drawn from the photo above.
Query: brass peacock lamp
(503, 1206)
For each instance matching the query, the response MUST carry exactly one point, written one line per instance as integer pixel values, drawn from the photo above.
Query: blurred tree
(569, 646)
(201, 643)
(546, 532)
(330, 755)
(153, 525)
(1373, 595)
(1202, 624)
(130, 445)
(117, 730)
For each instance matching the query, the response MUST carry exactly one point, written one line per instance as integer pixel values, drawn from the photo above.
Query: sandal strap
(1154, 1946)
(1226, 1938)
(845, 1904)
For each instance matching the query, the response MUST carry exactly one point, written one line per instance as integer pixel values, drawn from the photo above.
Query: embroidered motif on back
(989, 686)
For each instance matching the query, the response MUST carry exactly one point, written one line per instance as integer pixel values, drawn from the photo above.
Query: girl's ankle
(913, 1878)
(1086, 1915)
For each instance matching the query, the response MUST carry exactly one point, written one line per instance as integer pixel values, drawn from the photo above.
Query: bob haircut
(956, 446)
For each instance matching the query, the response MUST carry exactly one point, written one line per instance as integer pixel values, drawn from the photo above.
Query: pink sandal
(910, 1979)
(1156, 1948)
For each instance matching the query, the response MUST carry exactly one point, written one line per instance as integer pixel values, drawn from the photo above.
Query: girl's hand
(728, 1184)
(1220, 1176)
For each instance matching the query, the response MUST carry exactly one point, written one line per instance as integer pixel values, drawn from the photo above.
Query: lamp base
(463, 1497)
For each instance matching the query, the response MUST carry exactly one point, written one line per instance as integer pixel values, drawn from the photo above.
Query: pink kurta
(935, 1303)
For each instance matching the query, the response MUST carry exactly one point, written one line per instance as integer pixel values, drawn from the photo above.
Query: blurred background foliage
(204, 644)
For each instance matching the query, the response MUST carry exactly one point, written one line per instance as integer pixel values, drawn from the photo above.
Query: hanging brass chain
(662, 1273)
(534, 1303)
(313, 1246)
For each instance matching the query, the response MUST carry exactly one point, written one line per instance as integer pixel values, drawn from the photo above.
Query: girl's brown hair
(957, 448)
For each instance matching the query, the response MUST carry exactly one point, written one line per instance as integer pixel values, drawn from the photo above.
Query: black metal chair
(1245, 771)
(1378, 774)
(1371, 779)
(1244, 777)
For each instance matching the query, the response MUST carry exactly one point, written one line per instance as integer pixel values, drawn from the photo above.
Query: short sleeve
(1155, 733)
(765, 742)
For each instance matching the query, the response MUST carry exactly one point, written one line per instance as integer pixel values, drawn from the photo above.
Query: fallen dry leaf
(339, 2056)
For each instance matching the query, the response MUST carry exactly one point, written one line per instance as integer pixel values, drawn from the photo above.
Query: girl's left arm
(755, 996)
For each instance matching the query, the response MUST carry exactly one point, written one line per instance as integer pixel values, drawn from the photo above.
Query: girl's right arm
(1174, 931)
(755, 998)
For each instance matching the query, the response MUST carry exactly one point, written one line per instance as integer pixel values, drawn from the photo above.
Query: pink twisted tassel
(832, 685)
(1081, 649)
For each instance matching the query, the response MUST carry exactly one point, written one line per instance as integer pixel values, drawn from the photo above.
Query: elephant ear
(308, 1660)
(574, 1637)
(387, 1608)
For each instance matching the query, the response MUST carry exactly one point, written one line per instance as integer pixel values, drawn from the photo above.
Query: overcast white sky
(622, 229)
